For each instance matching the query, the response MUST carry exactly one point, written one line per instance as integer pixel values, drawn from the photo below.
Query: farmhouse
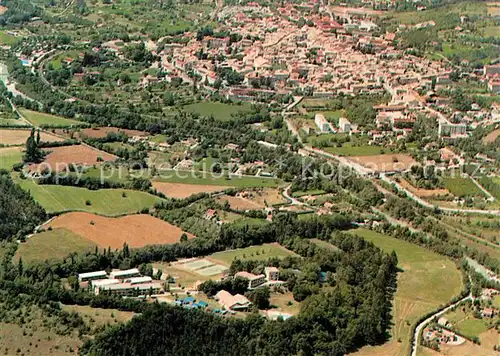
(253, 280)
(232, 302)
(344, 125)
(90, 276)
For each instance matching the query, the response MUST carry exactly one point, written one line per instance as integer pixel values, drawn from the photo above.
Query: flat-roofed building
(253, 280)
(129, 273)
(96, 284)
(322, 123)
(129, 290)
(90, 276)
(272, 273)
(139, 280)
(446, 128)
(344, 125)
(232, 302)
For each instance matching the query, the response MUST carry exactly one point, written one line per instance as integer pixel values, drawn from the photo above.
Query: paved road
(287, 195)
(422, 325)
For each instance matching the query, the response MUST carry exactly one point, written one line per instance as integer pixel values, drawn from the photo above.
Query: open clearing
(239, 203)
(423, 193)
(10, 156)
(259, 253)
(42, 119)
(181, 191)
(386, 162)
(101, 132)
(19, 137)
(99, 316)
(492, 136)
(56, 198)
(60, 157)
(348, 150)
(265, 197)
(135, 230)
(12, 122)
(54, 244)
(427, 281)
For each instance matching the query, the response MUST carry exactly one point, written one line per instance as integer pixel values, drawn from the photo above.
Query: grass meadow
(427, 281)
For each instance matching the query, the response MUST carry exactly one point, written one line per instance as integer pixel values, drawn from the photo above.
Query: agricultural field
(262, 252)
(220, 111)
(284, 303)
(386, 162)
(102, 132)
(239, 203)
(204, 178)
(8, 39)
(492, 185)
(59, 158)
(11, 122)
(462, 187)
(492, 136)
(266, 197)
(19, 137)
(423, 193)
(349, 150)
(135, 230)
(110, 202)
(42, 119)
(52, 244)
(9, 156)
(427, 281)
(181, 191)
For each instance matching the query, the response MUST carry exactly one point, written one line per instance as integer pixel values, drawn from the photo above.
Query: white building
(253, 280)
(344, 125)
(89, 276)
(129, 273)
(448, 129)
(272, 273)
(232, 302)
(322, 123)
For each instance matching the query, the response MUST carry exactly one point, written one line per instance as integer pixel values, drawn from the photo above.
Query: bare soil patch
(492, 136)
(59, 158)
(135, 230)
(101, 132)
(265, 196)
(385, 162)
(3, 9)
(240, 203)
(181, 191)
(424, 193)
(19, 137)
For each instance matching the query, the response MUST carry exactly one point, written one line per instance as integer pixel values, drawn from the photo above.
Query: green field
(465, 323)
(11, 122)
(496, 301)
(53, 244)
(9, 40)
(462, 187)
(427, 281)
(172, 176)
(220, 111)
(109, 202)
(348, 150)
(258, 253)
(42, 119)
(10, 156)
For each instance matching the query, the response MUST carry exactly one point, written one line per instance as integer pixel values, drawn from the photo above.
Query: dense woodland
(19, 213)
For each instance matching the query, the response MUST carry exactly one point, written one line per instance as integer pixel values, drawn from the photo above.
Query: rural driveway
(422, 325)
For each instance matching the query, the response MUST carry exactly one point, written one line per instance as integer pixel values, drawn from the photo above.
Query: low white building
(344, 125)
(89, 276)
(322, 123)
